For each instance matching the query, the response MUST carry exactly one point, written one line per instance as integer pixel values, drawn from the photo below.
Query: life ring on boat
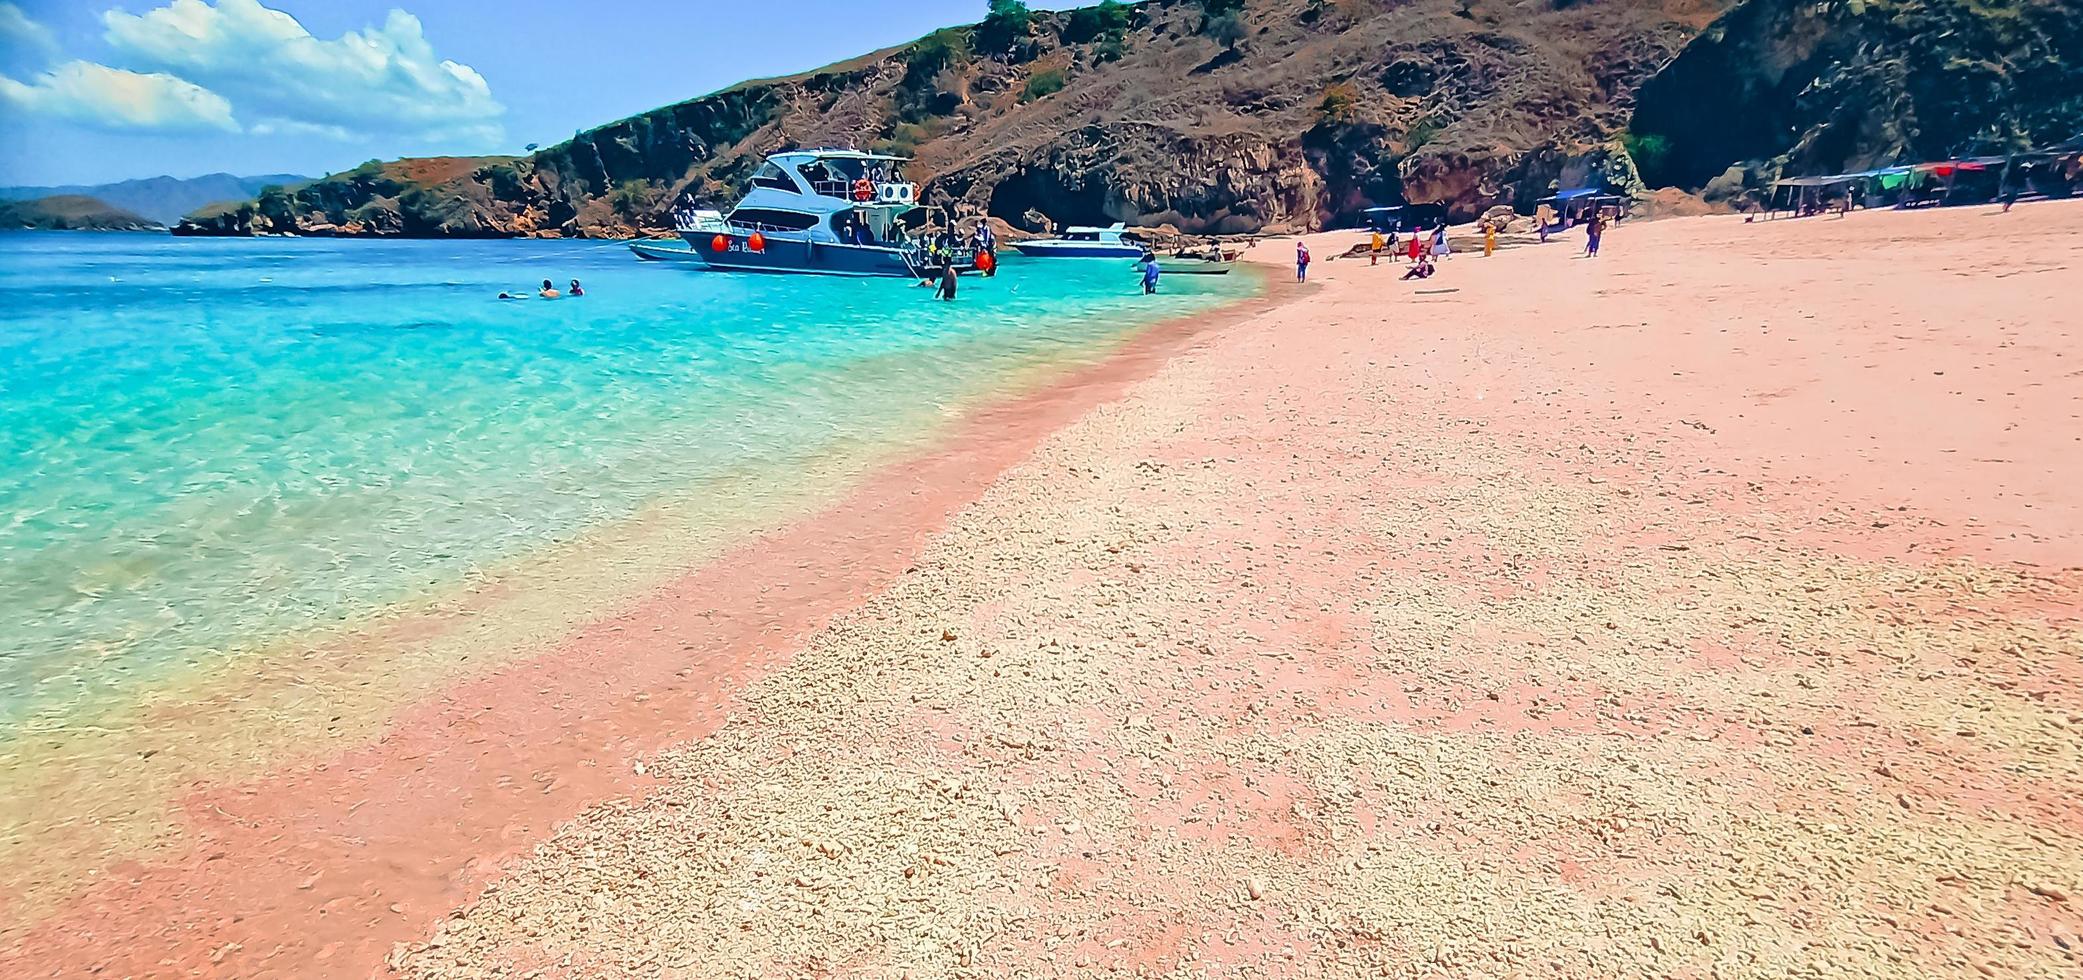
(757, 242)
(985, 262)
(864, 190)
(719, 243)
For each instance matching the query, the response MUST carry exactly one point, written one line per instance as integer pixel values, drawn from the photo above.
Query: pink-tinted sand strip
(318, 870)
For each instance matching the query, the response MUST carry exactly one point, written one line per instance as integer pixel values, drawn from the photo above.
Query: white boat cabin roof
(796, 156)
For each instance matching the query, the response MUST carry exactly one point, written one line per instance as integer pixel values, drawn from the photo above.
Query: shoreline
(1559, 616)
(1399, 632)
(342, 807)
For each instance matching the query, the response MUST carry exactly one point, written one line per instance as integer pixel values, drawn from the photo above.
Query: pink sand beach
(1710, 607)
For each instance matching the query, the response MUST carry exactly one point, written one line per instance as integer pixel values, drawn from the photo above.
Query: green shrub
(1108, 19)
(1649, 150)
(1340, 104)
(1227, 29)
(276, 207)
(631, 198)
(932, 55)
(1006, 22)
(504, 180)
(1046, 82)
(1112, 48)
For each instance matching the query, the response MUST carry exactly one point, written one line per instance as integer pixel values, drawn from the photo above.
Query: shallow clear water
(209, 444)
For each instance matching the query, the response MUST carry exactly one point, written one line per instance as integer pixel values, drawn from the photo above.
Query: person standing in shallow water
(1301, 261)
(1150, 273)
(947, 282)
(547, 291)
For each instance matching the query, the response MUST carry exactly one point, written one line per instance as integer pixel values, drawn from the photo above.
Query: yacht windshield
(772, 176)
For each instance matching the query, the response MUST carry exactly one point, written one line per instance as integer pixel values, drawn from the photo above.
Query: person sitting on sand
(1420, 268)
(548, 291)
(575, 289)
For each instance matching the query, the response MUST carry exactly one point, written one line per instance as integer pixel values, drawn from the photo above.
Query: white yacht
(827, 212)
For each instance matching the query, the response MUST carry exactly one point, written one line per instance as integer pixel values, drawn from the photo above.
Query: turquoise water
(209, 444)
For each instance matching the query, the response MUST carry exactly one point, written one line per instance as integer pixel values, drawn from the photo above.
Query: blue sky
(101, 90)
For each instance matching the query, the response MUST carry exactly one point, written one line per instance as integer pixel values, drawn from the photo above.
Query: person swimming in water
(575, 289)
(548, 291)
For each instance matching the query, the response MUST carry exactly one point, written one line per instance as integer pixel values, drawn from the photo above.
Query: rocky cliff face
(1207, 115)
(1826, 87)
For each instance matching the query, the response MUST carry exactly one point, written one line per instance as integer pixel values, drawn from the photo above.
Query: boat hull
(1193, 267)
(801, 257)
(1077, 250)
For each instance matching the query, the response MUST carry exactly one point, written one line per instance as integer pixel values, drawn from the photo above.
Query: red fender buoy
(719, 243)
(757, 242)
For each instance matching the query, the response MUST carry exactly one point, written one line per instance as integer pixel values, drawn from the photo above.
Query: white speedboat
(1207, 262)
(1080, 242)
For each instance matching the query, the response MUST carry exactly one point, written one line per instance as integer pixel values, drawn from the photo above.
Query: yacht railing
(886, 192)
(763, 228)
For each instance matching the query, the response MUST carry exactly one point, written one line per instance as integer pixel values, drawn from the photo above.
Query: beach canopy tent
(1806, 192)
(1397, 217)
(1571, 204)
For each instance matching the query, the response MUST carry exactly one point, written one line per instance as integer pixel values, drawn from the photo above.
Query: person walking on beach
(1489, 239)
(1592, 230)
(1374, 249)
(1440, 248)
(1417, 245)
(1301, 261)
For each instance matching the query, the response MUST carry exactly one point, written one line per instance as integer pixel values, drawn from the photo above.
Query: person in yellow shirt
(1374, 249)
(1489, 239)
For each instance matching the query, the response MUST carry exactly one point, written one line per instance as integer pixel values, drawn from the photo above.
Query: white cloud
(112, 98)
(20, 34)
(380, 80)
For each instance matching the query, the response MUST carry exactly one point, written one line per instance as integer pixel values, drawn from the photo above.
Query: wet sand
(1710, 607)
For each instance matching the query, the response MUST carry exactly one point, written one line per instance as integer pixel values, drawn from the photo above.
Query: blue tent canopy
(1577, 192)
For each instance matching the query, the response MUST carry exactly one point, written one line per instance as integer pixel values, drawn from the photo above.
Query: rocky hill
(71, 212)
(162, 199)
(1209, 115)
(1825, 87)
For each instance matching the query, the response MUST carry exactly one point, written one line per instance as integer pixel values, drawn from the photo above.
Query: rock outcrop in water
(1207, 115)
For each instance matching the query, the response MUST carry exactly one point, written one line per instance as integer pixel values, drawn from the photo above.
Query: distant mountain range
(164, 200)
(71, 212)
